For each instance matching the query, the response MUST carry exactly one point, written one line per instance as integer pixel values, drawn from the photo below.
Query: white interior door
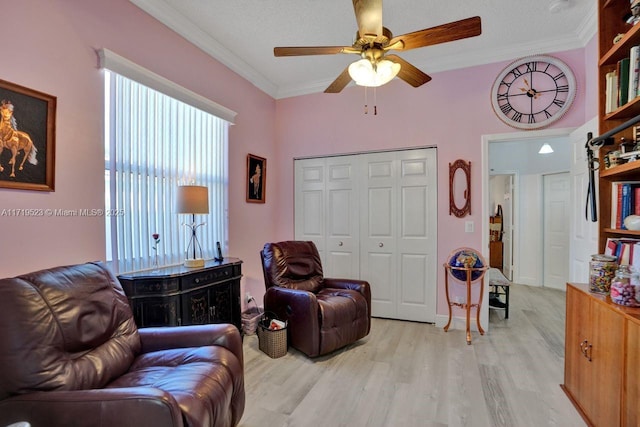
(309, 202)
(342, 238)
(373, 217)
(583, 232)
(398, 233)
(417, 240)
(507, 225)
(556, 229)
(378, 232)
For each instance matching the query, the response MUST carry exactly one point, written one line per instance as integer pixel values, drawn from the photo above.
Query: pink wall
(54, 52)
(451, 112)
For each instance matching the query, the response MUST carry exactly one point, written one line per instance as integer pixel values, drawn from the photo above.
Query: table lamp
(193, 199)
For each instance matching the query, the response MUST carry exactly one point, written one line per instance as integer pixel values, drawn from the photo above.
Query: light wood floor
(414, 374)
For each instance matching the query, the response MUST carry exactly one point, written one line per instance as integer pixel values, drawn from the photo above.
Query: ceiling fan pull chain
(375, 102)
(366, 109)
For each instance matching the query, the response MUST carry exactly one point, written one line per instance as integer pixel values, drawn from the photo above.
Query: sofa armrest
(124, 407)
(300, 309)
(361, 286)
(164, 338)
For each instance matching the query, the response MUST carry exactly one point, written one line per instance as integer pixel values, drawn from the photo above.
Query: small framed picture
(27, 138)
(256, 179)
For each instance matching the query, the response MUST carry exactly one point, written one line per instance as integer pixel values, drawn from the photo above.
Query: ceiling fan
(373, 41)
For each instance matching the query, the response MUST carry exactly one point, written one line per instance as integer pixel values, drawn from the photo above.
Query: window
(153, 144)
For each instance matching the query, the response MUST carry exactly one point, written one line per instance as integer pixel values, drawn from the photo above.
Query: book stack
(623, 83)
(626, 251)
(625, 201)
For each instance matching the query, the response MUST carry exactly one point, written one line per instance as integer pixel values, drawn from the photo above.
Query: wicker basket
(272, 343)
(250, 319)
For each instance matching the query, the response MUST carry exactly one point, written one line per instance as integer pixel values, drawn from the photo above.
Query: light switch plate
(469, 227)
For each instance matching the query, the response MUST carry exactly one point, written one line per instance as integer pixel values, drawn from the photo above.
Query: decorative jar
(602, 269)
(625, 287)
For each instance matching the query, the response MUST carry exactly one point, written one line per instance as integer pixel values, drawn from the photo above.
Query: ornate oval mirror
(460, 188)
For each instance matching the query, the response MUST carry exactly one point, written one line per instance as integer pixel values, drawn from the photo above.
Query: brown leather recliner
(71, 355)
(323, 314)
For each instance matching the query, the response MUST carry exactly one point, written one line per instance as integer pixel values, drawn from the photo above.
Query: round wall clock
(533, 92)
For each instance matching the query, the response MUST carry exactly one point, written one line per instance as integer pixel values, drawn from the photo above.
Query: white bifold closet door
(373, 217)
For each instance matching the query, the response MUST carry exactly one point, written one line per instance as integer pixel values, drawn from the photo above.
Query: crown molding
(177, 22)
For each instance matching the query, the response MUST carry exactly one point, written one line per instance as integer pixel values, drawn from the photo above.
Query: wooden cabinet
(631, 414)
(597, 349)
(611, 22)
(602, 357)
(496, 254)
(177, 295)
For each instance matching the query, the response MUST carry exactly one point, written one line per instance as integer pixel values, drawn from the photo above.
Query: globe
(466, 258)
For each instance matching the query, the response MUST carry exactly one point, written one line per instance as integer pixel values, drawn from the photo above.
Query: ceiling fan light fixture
(364, 73)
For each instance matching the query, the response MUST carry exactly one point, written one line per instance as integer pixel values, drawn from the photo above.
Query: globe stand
(469, 273)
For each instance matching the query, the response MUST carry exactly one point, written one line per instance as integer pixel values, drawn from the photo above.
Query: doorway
(517, 154)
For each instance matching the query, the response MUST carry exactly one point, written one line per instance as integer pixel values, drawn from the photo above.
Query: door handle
(380, 244)
(585, 349)
(340, 244)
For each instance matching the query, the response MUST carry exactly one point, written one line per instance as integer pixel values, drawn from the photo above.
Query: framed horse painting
(27, 138)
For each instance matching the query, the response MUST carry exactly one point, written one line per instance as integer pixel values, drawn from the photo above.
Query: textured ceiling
(242, 34)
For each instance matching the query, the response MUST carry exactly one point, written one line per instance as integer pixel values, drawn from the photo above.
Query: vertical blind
(153, 144)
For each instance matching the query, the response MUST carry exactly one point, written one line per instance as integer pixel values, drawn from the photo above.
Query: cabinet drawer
(207, 277)
(142, 287)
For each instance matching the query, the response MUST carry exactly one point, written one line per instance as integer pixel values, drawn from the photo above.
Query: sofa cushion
(79, 337)
(203, 380)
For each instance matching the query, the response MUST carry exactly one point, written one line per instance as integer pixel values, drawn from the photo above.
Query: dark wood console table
(177, 295)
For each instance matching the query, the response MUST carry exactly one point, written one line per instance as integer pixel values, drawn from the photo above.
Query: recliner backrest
(292, 264)
(66, 328)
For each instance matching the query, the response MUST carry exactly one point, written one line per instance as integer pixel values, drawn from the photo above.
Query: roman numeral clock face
(533, 92)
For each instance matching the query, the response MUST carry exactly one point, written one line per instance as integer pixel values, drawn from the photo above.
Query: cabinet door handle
(587, 352)
(583, 347)
(212, 313)
(340, 244)
(380, 244)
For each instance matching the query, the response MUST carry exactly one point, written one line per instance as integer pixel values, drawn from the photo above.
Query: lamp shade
(193, 199)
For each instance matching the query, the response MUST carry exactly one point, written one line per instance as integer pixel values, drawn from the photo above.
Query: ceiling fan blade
(340, 83)
(368, 16)
(311, 50)
(408, 72)
(444, 33)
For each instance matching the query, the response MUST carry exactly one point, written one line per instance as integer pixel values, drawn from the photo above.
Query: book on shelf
(611, 94)
(625, 201)
(623, 81)
(626, 251)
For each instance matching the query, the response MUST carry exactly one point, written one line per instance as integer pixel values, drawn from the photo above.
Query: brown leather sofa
(71, 355)
(323, 314)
